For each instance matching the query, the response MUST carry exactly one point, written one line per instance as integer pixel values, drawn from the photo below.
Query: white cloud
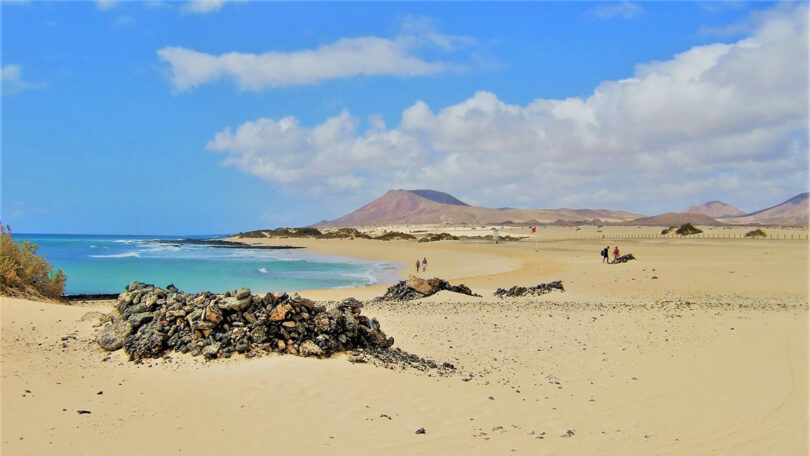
(715, 120)
(346, 57)
(106, 4)
(204, 6)
(12, 80)
(623, 10)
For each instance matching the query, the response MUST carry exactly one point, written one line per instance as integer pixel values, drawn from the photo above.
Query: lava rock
(541, 289)
(416, 288)
(218, 325)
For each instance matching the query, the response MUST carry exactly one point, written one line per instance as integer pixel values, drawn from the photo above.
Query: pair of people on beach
(606, 255)
(424, 265)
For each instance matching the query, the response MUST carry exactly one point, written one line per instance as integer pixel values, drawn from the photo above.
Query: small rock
(242, 293)
(83, 412)
(280, 312)
(308, 348)
(420, 431)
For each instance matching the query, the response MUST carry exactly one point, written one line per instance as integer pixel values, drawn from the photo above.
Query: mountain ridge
(715, 209)
(430, 207)
(408, 207)
(794, 211)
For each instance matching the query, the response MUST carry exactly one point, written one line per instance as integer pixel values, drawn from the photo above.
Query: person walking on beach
(605, 255)
(615, 253)
(417, 265)
(424, 264)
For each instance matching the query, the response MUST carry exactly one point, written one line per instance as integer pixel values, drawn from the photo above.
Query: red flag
(534, 229)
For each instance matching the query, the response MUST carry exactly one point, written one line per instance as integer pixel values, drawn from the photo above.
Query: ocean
(97, 264)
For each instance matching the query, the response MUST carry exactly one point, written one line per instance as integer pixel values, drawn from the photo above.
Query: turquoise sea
(107, 263)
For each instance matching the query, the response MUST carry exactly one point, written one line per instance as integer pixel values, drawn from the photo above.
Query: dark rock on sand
(150, 322)
(416, 288)
(113, 335)
(624, 258)
(537, 290)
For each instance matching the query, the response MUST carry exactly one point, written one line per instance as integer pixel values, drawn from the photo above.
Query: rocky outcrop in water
(416, 288)
(149, 322)
(516, 291)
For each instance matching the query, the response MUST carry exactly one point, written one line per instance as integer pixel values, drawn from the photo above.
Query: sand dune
(709, 357)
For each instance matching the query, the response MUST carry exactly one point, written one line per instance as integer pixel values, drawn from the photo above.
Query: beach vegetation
(395, 235)
(305, 232)
(688, 229)
(433, 237)
(757, 233)
(344, 233)
(24, 273)
(666, 231)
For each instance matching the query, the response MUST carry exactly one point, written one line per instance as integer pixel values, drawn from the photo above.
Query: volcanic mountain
(795, 211)
(674, 219)
(424, 207)
(715, 209)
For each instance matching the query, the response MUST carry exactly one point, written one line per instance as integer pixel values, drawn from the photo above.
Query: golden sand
(709, 357)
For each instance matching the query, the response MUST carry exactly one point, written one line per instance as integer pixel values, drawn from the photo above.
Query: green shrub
(687, 229)
(757, 233)
(666, 231)
(24, 273)
(394, 235)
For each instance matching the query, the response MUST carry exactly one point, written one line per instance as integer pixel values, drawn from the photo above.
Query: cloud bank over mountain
(728, 117)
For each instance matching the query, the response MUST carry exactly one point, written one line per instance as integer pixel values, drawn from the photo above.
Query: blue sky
(217, 117)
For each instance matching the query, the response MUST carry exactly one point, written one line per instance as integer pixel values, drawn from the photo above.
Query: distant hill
(715, 209)
(422, 207)
(439, 197)
(793, 212)
(675, 219)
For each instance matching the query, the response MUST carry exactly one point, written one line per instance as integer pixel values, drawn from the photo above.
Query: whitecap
(118, 255)
(262, 270)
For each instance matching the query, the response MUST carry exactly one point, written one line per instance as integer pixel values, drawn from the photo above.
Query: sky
(214, 117)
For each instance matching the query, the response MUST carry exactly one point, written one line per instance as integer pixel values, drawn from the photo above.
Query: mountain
(423, 207)
(795, 212)
(674, 219)
(439, 197)
(715, 209)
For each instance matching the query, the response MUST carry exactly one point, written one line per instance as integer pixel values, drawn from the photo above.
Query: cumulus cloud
(106, 4)
(346, 57)
(719, 119)
(622, 10)
(204, 6)
(12, 80)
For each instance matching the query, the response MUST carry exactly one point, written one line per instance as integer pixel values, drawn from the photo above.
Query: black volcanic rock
(150, 322)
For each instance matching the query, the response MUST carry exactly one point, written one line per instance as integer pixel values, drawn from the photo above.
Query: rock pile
(149, 322)
(416, 288)
(541, 289)
(624, 258)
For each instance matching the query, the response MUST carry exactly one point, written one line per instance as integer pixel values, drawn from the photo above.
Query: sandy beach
(700, 346)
